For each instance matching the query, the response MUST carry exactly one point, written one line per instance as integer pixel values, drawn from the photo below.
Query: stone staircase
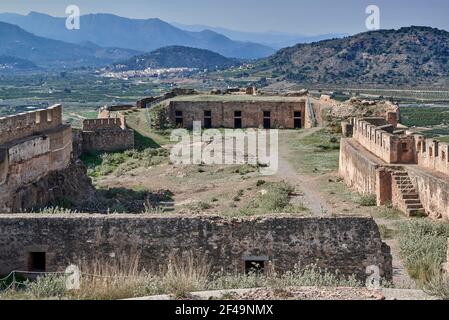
(407, 196)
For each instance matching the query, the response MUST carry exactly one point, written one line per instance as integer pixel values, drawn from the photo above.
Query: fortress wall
(347, 244)
(29, 149)
(432, 154)
(26, 124)
(433, 191)
(252, 112)
(108, 140)
(104, 124)
(387, 146)
(357, 169)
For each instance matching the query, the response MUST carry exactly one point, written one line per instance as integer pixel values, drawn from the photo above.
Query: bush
(46, 287)
(367, 201)
(423, 246)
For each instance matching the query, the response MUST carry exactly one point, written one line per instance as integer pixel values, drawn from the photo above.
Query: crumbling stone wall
(106, 135)
(33, 145)
(347, 244)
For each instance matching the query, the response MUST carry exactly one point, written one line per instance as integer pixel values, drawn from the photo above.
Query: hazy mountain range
(177, 57)
(405, 57)
(274, 39)
(109, 30)
(18, 43)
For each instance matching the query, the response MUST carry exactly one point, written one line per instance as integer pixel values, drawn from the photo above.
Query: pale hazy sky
(296, 16)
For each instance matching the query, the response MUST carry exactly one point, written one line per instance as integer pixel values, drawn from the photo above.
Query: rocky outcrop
(67, 187)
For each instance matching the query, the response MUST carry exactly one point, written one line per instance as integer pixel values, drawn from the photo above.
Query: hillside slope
(406, 57)
(177, 57)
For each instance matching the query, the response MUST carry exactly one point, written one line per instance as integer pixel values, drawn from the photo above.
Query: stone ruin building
(106, 134)
(273, 112)
(401, 168)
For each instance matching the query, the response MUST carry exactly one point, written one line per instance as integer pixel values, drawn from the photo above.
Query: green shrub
(50, 286)
(367, 201)
(423, 246)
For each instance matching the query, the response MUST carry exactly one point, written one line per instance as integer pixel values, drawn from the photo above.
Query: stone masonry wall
(347, 244)
(252, 112)
(432, 154)
(39, 145)
(433, 190)
(387, 146)
(356, 168)
(106, 135)
(26, 124)
(108, 140)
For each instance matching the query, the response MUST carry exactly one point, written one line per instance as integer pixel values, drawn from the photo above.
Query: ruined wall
(432, 154)
(347, 244)
(433, 190)
(27, 158)
(108, 140)
(252, 112)
(106, 135)
(104, 123)
(389, 147)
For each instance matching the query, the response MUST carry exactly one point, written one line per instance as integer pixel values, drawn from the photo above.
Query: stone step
(412, 201)
(400, 173)
(413, 196)
(416, 212)
(415, 206)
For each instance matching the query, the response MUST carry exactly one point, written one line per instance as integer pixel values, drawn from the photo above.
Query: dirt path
(308, 192)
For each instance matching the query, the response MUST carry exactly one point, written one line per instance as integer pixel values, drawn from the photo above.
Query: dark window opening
(207, 119)
(238, 119)
(254, 266)
(179, 120)
(266, 119)
(267, 123)
(37, 261)
(297, 119)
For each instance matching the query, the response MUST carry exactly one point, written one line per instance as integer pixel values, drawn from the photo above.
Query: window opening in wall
(179, 119)
(237, 119)
(207, 119)
(37, 261)
(297, 120)
(266, 119)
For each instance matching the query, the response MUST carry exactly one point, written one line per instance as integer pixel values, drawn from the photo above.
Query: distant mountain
(272, 39)
(177, 57)
(405, 57)
(12, 64)
(16, 42)
(108, 30)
